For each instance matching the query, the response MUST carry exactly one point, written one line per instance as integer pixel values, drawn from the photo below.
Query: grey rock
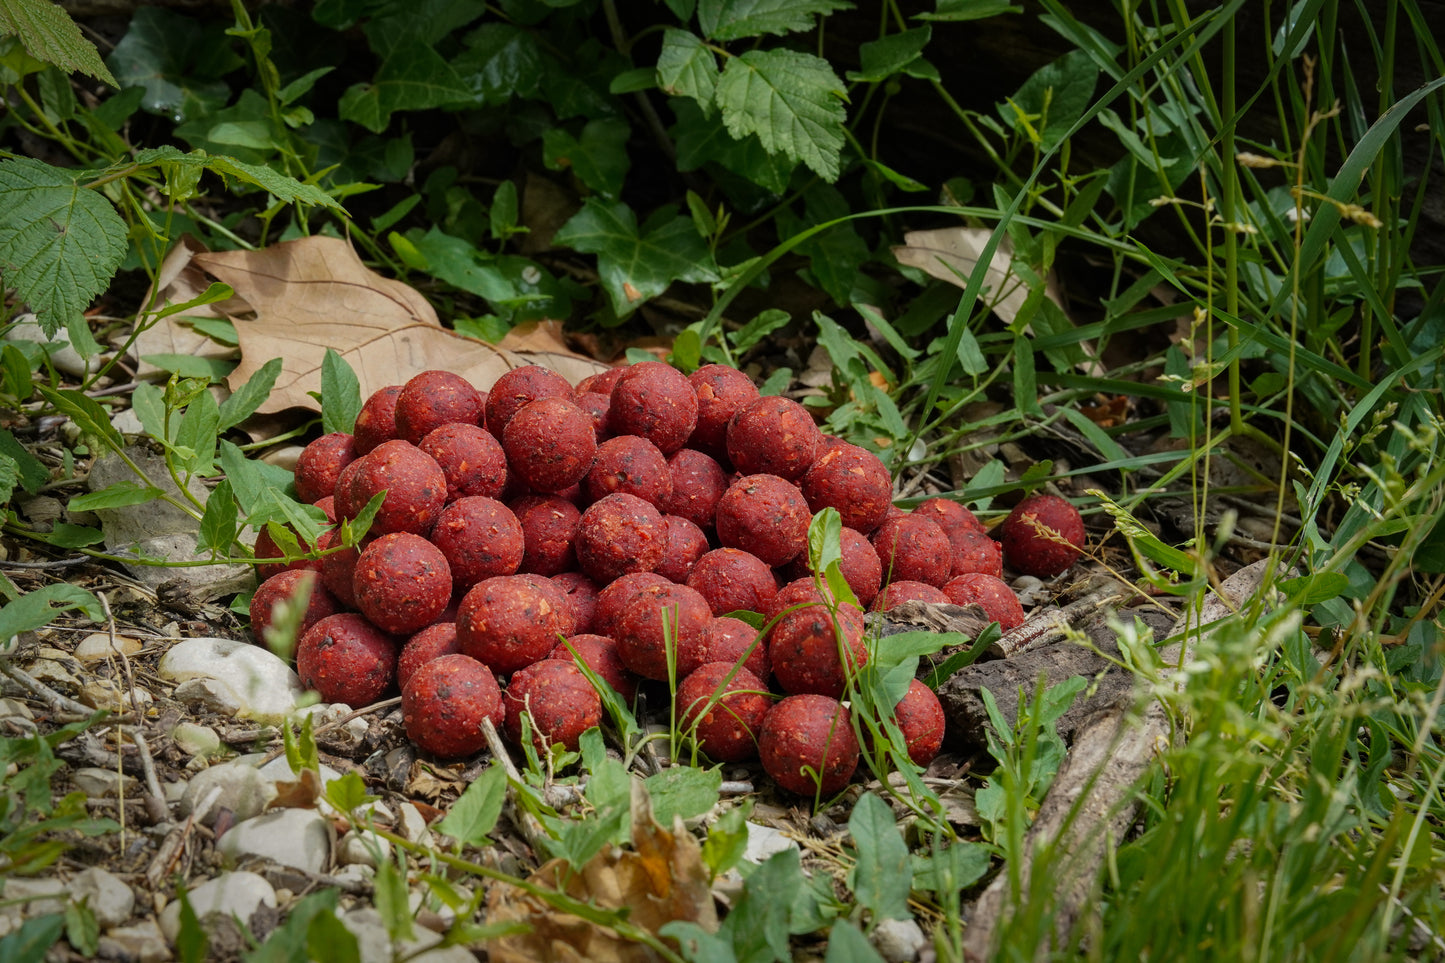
(196, 739)
(361, 847)
(413, 827)
(111, 900)
(98, 783)
(40, 896)
(898, 941)
(143, 942)
(372, 939)
(261, 685)
(244, 791)
(300, 838)
(239, 894)
(765, 841)
(15, 709)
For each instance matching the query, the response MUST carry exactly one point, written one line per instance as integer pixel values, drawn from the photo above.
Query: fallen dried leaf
(301, 794)
(950, 253)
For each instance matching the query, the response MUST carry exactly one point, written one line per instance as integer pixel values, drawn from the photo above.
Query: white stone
(98, 783)
(244, 791)
(196, 739)
(62, 354)
(105, 694)
(127, 422)
(111, 900)
(898, 941)
(263, 687)
(144, 942)
(413, 827)
(375, 946)
(98, 646)
(175, 791)
(361, 847)
(238, 894)
(15, 709)
(35, 892)
(765, 841)
(291, 837)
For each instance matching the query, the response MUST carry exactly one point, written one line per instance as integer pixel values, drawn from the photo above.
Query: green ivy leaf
(457, 262)
(60, 243)
(501, 62)
(414, 77)
(177, 61)
(598, 155)
(736, 19)
(897, 53)
(687, 68)
(475, 812)
(48, 34)
(791, 100)
(637, 264)
(882, 876)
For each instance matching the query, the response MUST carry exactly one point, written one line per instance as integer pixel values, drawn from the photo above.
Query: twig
(530, 825)
(52, 563)
(155, 799)
(1052, 623)
(63, 706)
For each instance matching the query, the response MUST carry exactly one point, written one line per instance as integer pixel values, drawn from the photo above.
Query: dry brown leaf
(660, 880)
(301, 794)
(950, 253)
(541, 342)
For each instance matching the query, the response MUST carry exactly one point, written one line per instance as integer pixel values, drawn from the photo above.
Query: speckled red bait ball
(764, 515)
(698, 482)
(728, 713)
(727, 639)
(376, 422)
(807, 745)
(976, 552)
(445, 704)
(601, 383)
(1030, 551)
(906, 590)
(416, 488)
(480, 538)
(920, 719)
(599, 653)
(632, 465)
(656, 401)
(722, 391)
(470, 458)
(802, 591)
(508, 622)
(998, 600)
(561, 701)
(518, 388)
(733, 580)
(402, 582)
(435, 398)
(581, 593)
(686, 543)
(285, 586)
(337, 568)
(620, 534)
(950, 516)
(861, 567)
(550, 444)
(557, 596)
(854, 481)
(597, 406)
(913, 549)
(805, 651)
(347, 659)
(319, 464)
(641, 639)
(773, 436)
(612, 599)
(432, 642)
(549, 524)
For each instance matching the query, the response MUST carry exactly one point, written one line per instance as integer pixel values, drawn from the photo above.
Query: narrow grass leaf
(32, 939)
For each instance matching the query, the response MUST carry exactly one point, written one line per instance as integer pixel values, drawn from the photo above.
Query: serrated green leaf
(48, 34)
(702, 139)
(952, 869)
(340, 394)
(476, 811)
(31, 471)
(60, 243)
(413, 77)
(955, 10)
(636, 265)
(280, 186)
(40, 607)
(686, 67)
(598, 155)
(886, 56)
(218, 525)
(736, 19)
(243, 401)
(882, 876)
(791, 100)
(177, 60)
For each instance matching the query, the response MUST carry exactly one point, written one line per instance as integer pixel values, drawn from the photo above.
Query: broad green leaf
(882, 876)
(213, 370)
(847, 944)
(57, 97)
(340, 394)
(327, 938)
(475, 812)
(752, 333)
(9, 478)
(81, 927)
(249, 478)
(39, 608)
(1053, 98)
(727, 840)
(503, 212)
(701, 139)
(1026, 391)
(825, 534)
(177, 60)
(243, 401)
(791, 100)
(686, 67)
(598, 155)
(969, 10)
(348, 793)
(1316, 588)
(956, 867)
(18, 370)
(117, 495)
(760, 920)
(414, 77)
(428, 21)
(736, 19)
(31, 472)
(683, 791)
(87, 413)
(29, 942)
(636, 265)
(501, 62)
(60, 243)
(288, 943)
(457, 262)
(893, 54)
(48, 34)
(218, 525)
(198, 433)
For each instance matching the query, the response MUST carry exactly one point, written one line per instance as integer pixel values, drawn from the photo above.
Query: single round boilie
(726, 639)
(652, 619)
(805, 649)
(560, 700)
(921, 720)
(629, 464)
(721, 392)
(434, 398)
(997, 600)
(432, 642)
(766, 516)
(685, 545)
(1042, 536)
(773, 436)
(508, 622)
(807, 745)
(581, 594)
(471, 459)
(612, 599)
(907, 590)
(549, 527)
(656, 401)
(401, 582)
(976, 552)
(444, 703)
(518, 388)
(913, 548)
(852, 480)
(733, 580)
(376, 422)
(727, 713)
(320, 463)
(287, 586)
(415, 486)
(550, 444)
(599, 653)
(620, 534)
(698, 481)
(347, 659)
(480, 538)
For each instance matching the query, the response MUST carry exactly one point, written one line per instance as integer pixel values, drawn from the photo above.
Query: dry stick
(530, 825)
(63, 706)
(1090, 801)
(155, 799)
(1052, 623)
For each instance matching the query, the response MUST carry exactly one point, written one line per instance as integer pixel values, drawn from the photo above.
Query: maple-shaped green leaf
(791, 100)
(638, 263)
(60, 243)
(47, 33)
(414, 77)
(687, 67)
(702, 139)
(735, 19)
(598, 155)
